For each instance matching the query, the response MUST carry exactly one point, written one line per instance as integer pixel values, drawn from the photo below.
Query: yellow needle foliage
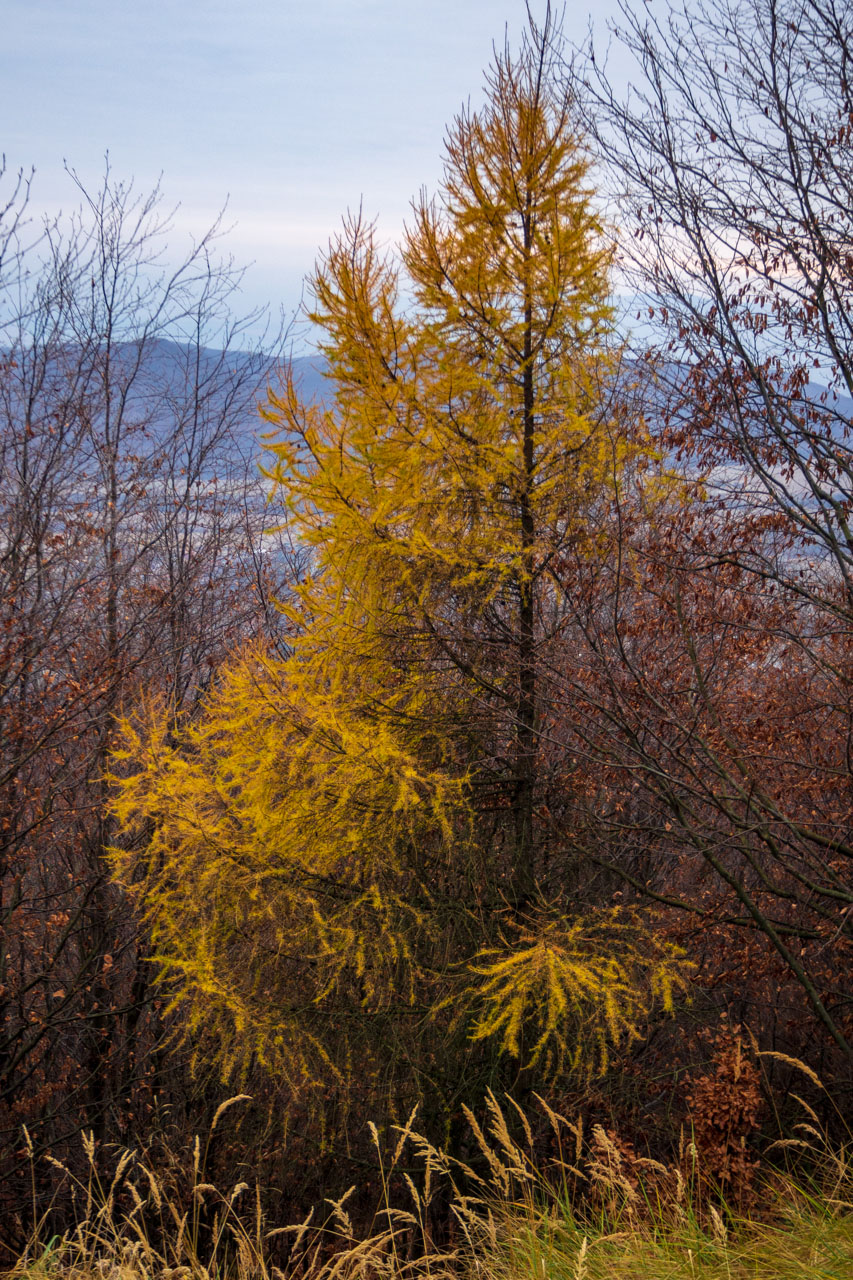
(596, 975)
(325, 852)
(277, 873)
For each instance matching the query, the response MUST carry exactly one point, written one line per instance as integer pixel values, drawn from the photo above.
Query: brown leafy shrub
(724, 1107)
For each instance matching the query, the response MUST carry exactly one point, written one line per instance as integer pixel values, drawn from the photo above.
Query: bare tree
(733, 170)
(722, 664)
(133, 556)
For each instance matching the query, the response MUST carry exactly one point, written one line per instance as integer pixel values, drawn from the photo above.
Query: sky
(291, 111)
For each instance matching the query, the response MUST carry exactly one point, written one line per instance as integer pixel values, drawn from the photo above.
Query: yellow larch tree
(335, 854)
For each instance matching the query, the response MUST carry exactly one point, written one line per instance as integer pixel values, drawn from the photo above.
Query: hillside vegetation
(457, 726)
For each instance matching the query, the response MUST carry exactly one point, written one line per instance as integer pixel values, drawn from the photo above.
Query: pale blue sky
(292, 109)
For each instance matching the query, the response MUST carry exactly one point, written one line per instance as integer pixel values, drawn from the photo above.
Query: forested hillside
(456, 722)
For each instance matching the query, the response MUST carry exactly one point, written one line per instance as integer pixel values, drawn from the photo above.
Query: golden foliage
(314, 866)
(274, 876)
(566, 993)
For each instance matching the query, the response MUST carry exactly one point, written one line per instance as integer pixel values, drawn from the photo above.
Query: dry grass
(589, 1210)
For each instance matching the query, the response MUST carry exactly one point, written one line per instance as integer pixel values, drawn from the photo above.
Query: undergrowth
(536, 1199)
